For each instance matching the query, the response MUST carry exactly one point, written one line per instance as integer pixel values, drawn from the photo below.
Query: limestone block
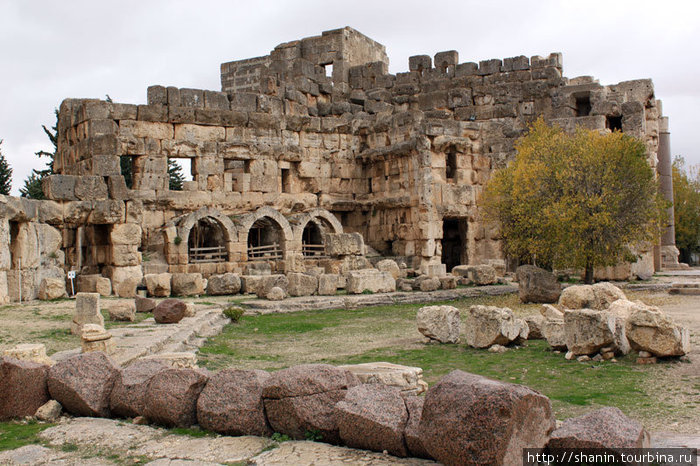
(301, 284)
(344, 244)
(34, 352)
(125, 233)
(91, 188)
(225, 284)
(87, 311)
(146, 129)
(250, 283)
(408, 379)
(478, 274)
(388, 265)
(52, 288)
(106, 212)
(439, 323)
(125, 280)
(268, 282)
(554, 331)
(158, 284)
(95, 338)
(649, 329)
(59, 187)
(187, 284)
(489, 325)
(589, 330)
(327, 284)
(370, 279)
(94, 284)
(122, 311)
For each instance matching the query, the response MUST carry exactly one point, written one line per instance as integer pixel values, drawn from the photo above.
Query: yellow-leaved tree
(581, 200)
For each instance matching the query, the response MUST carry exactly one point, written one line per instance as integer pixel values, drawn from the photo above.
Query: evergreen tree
(32, 184)
(5, 174)
(175, 175)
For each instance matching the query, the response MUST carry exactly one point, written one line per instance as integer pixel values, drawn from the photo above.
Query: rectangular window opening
(180, 170)
(583, 105)
(126, 164)
(286, 180)
(613, 123)
(451, 165)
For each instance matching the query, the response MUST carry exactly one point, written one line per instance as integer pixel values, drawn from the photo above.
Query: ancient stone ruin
(300, 147)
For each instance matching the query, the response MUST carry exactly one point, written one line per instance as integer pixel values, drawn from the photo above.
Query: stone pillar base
(669, 258)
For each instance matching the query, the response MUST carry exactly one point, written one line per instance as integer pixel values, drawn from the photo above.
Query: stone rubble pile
(610, 326)
(463, 419)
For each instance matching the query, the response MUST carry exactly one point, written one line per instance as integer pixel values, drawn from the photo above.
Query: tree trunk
(588, 279)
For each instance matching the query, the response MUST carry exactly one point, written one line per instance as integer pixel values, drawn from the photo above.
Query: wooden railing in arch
(267, 251)
(208, 254)
(314, 251)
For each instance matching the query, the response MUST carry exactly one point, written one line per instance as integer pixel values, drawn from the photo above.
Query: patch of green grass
(68, 447)
(567, 383)
(18, 434)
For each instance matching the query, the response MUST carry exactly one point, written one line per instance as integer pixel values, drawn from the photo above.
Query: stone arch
(262, 217)
(322, 217)
(206, 215)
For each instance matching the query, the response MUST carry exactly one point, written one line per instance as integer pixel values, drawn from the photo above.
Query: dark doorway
(312, 241)
(265, 240)
(451, 165)
(613, 123)
(454, 242)
(583, 105)
(207, 242)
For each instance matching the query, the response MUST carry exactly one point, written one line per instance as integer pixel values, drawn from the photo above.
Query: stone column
(669, 252)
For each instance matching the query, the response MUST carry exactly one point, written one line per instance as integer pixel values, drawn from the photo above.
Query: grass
(388, 333)
(18, 434)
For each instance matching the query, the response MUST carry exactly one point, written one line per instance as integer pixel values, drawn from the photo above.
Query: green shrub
(366, 291)
(313, 435)
(277, 437)
(234, 313)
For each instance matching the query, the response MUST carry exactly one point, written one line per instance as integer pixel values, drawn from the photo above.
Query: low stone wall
(316, 402)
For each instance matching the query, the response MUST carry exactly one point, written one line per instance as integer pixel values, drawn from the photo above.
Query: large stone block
(125, 280)
(127, 396)
(370, 279)
(477, 274)
(606, 428)
(187, 284)
(301, 284)
(649, 329)
(469, 419)
(171, 397)
(489, 325)
(373, 417)
(125, 234)
(344, 244)
(225, 284)
(87, 311)
(439, 323)
(327, 284)
(158, 284)
(589, 330)
(232, 404)
(59, 187)
(91, 188)
(23, 387)
(83, 384)
(52, 288)
(537, 285)
(302, 398)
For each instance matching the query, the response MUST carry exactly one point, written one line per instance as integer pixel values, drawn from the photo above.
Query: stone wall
(401, 159)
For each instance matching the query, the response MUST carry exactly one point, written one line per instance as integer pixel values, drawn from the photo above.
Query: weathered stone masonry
(315, 138)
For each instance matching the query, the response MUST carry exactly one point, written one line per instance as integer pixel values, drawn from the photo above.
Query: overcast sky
(52, 50)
